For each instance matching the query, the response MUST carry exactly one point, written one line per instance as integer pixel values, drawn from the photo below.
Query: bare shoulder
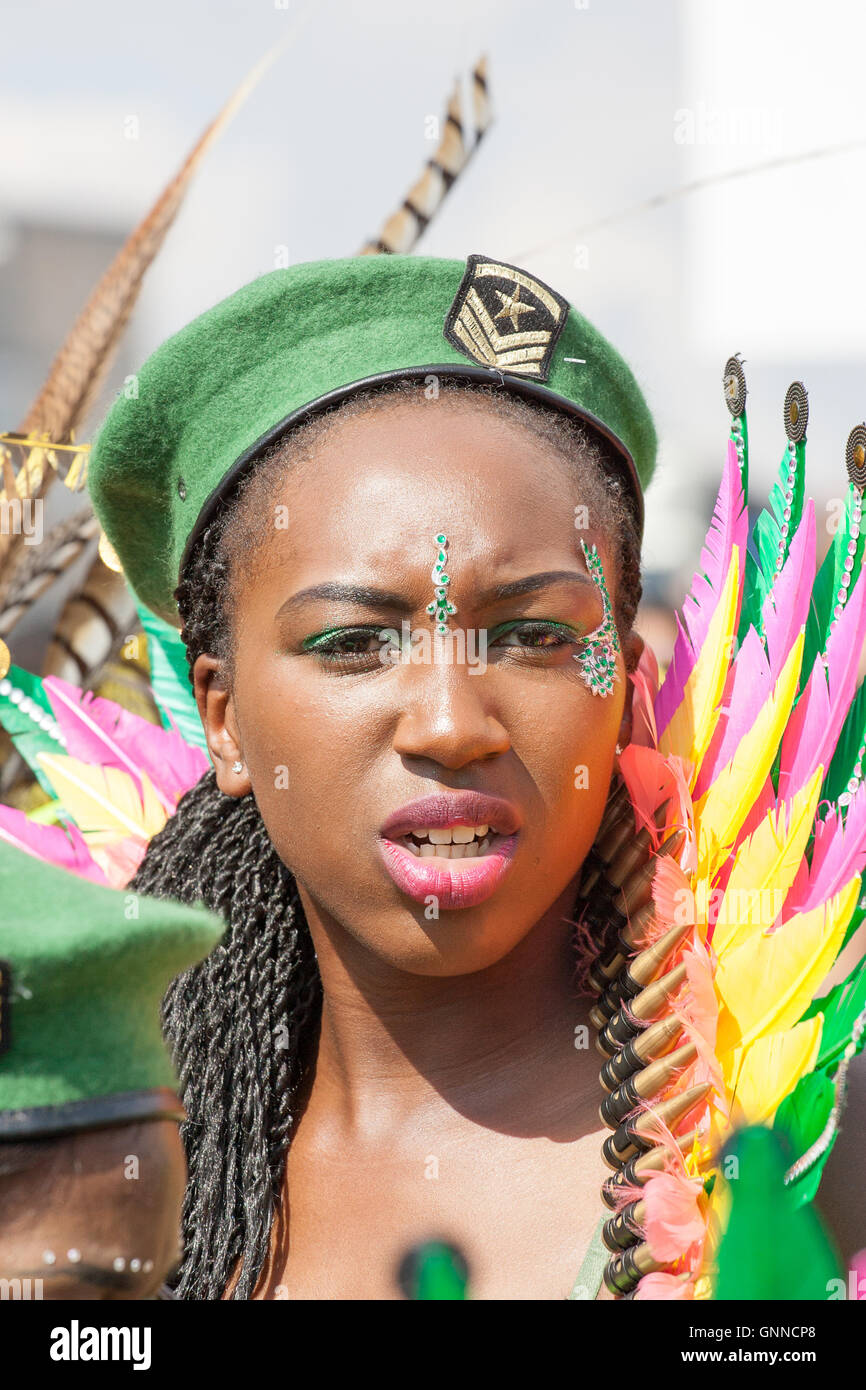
(842, 1194)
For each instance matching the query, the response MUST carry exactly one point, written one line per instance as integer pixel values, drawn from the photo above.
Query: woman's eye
(347, 645)
(536, 636)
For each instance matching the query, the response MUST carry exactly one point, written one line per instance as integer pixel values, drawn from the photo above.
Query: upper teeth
(457, 842)
(454, 835)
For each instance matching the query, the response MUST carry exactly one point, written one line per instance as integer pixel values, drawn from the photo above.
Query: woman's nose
(449, 716)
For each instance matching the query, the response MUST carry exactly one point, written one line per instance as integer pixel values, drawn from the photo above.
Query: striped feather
(80, 367)
(402, 230)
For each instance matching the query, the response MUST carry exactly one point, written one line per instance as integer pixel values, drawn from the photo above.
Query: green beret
(212, 398)
(83, 969)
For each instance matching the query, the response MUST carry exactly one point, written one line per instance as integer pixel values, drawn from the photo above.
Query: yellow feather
(724, 806)
(104, 798)
(691, 727)
(766, 863)
(765, 984)
(761, 1075)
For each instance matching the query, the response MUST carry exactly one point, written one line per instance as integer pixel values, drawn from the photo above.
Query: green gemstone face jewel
(597, 656)
(441, 605)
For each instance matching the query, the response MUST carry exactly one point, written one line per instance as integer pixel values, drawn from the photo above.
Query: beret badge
(505, 319)
(855, 456)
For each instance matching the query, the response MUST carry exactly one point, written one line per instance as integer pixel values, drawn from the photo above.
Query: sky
(604, 112)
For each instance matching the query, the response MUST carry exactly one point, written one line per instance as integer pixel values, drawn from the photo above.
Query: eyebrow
(366, 597)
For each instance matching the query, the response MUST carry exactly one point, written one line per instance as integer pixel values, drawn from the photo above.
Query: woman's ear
(216, 711)
(632, 651)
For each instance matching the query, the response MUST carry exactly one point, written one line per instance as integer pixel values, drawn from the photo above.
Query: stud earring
(441, 605)
(237, 767)
(597, 657)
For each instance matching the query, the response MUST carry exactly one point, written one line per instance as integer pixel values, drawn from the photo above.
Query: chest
(521, 1210)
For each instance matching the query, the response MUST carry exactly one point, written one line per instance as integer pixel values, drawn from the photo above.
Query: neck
(498, 1046)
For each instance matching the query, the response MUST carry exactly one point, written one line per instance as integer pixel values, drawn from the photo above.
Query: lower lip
(471, 881)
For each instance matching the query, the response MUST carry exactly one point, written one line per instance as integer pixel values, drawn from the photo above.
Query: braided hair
(242, 1026)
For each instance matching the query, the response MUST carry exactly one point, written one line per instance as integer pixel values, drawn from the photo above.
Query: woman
(390, 1045)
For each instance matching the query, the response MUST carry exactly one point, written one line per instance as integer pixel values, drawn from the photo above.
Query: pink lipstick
(454, 846)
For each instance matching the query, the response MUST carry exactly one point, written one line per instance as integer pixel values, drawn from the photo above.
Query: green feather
(768, 542)
(744, 460)
(841, 1008)
(847, 752)
(169, 678)
(827, 584)
(801, 1117)
(803, 1114)
(26, 735)
(772, 1247)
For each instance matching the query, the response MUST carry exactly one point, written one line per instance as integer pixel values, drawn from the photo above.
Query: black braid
(242, 1025)
(235, 1025)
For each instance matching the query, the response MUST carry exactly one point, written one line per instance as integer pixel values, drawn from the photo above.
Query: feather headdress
(758, 714)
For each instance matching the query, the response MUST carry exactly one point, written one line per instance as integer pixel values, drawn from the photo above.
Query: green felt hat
(83, 969)
(212, 398)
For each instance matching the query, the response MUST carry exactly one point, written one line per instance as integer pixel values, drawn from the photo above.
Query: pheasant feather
(80, 367)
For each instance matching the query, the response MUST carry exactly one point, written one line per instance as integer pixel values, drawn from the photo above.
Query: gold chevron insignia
(493, 295)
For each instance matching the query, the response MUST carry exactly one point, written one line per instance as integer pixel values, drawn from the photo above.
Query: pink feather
(672, 896)
(653, 779)
(698, 1011)
(99, 731)
(838, 852)
(701, 1008)
(728, 527)
(748, 686)
(121, 859)
(672, 689)
(673, 1219)
(648, 779)
(646, 683)
(786, 606)
(811, 733)
(64, 846)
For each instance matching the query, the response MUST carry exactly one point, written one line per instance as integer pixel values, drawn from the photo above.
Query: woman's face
(338, 729)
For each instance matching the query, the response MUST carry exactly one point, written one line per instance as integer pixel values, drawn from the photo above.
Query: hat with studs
(83, 969)
(213, 397)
